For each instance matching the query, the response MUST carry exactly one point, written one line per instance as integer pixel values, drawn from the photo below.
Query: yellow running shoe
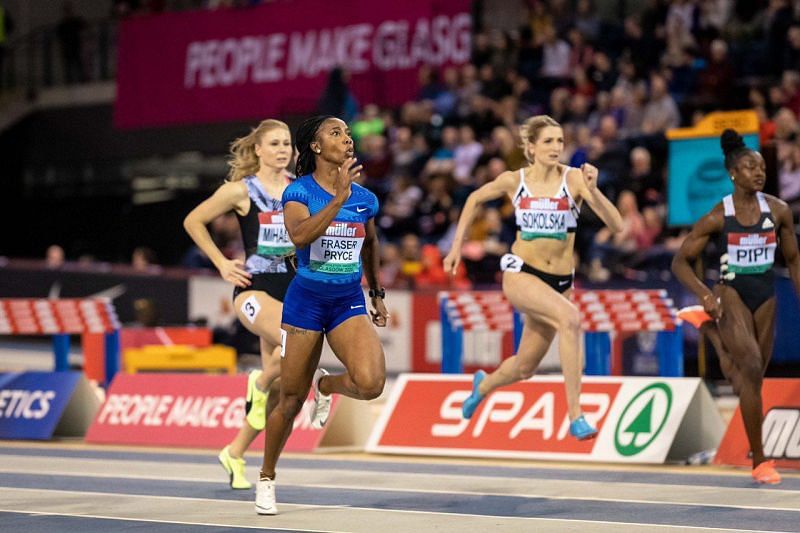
(256, 406)
(235, 469)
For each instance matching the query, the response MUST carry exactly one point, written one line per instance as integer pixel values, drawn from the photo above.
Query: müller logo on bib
(346, 229)
(545, 204)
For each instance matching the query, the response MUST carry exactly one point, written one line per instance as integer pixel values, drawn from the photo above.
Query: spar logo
(643, 419)
(781, 433)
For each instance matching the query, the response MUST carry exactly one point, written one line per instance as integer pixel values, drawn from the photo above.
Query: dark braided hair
(306, 134)
(733, 147)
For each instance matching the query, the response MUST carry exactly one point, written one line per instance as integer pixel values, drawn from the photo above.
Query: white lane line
(216, 480)
(153, 521)
(404, 511)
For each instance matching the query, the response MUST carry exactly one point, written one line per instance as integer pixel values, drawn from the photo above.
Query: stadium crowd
(615, 74)
(616, 83)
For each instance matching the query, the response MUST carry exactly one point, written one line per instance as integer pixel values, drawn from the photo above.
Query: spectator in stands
(391, 266)
(399, 207)
(432, 211)
(336, 99)
(484, 247)
(555, 57)
(779, 18)
(441, 161)
(716, 80)
(411, 258)
(466, 155)
(660, 113)
(144, 260)
(69, 32)
(508, 147)
(146, 313)
(429, 85)
(789, 173)
(611, 249)
(791, 56)
(377, 162)
(642, 180)
(602, 72)
(54, 257)
(369, 122)
(586, 20)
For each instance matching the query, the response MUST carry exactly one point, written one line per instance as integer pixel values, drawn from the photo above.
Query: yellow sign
(715, 123)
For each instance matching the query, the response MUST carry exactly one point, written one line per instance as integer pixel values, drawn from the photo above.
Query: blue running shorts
(322, 310)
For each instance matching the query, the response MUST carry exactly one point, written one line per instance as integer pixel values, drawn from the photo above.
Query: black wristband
(378, 293)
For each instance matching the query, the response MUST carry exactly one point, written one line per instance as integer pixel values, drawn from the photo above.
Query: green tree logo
(627, 439)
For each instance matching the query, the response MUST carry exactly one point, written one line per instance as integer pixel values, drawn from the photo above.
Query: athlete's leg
(738, 329)
(263, 320)
(357, 345)
(301, 356)
(765, 331)
(534, 297)
(536, 339)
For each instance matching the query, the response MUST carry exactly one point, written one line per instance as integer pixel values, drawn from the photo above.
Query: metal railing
(42, 59)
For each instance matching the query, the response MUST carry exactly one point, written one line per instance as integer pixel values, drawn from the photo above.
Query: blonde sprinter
(256, 181)
(538, 274)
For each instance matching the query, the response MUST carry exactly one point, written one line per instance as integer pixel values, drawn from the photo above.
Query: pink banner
(267, 61)
(186, 411)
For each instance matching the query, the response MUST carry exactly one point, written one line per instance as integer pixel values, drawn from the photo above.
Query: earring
(733, 178)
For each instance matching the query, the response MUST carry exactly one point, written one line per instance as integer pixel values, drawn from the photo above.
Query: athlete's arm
(692, 247)
(303, 228)
(788, 241)
(371, 257)
(228, 197)
(505, 183)
(585, 181)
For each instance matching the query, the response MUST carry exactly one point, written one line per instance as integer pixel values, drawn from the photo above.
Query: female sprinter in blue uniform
(256, 181)
(538, 274)
(330, 220)
(739, 316)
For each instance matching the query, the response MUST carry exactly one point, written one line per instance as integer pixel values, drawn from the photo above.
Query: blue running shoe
(581, 430)
(471, 403)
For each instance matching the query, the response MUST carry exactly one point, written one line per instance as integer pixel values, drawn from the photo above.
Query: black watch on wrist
(378, 293)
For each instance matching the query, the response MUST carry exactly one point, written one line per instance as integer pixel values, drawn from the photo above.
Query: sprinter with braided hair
(738, 315)
(331, 221)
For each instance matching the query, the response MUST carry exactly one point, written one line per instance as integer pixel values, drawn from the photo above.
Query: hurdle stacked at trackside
(61, 318)
(605, 314)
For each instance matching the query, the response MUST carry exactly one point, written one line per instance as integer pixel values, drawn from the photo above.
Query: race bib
(511, 263)
(273, 239)
(339, 250)
(539, 218)
(751, 253)
(250, 309)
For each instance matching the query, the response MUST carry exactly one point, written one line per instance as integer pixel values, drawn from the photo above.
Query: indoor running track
(57, 487)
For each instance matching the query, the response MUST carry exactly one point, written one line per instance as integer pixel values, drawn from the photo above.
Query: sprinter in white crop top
(538, 274)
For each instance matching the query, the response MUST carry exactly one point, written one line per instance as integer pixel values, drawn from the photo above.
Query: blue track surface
(581, 506)
(574, 474)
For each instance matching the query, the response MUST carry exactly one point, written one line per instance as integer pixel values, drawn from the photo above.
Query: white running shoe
(322, 403)
(265, 497)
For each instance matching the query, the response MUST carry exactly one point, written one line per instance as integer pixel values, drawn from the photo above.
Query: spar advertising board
(780, 430)
(641, 420)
